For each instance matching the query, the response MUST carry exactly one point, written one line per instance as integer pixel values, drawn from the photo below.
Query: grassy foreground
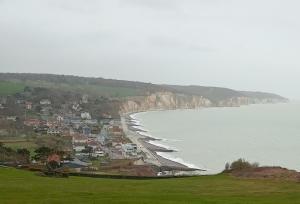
(17, 186)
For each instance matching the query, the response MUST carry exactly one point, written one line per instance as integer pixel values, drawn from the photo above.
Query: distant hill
(122, 88)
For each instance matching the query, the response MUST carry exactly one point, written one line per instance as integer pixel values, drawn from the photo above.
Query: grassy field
(30, 145)
(18, 186)
(9, 88)
(88, 89)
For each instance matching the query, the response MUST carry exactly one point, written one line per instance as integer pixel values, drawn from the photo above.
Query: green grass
(31, 146)
(9, 88)
(88, 89)
(18, 186)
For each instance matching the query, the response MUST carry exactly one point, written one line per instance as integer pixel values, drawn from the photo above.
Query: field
(100, 90)
(18, 144)
(9, 88)
(17, 186)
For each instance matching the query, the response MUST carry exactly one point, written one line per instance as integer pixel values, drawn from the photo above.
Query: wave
(148, 135)
(162, 145)
(177, 159)
(139, 128)
(135, 122)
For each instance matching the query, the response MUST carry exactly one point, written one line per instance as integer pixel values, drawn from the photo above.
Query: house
(103, 137)
(91, 122)
(116, 130)
(11, 118)
(79, 148)
(98, 153)
(32, 122)
(86, 130)
(77, 138)
(86, 116)
(106, 116)
(28, 105)
(60, 118)
(53, 131)
(20, 101)
(129, 149)
(76, 164)
(93, 144)
(45, 102)
(84, 99)
(76, 107)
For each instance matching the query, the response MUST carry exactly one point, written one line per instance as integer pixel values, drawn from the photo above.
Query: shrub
(240, 164)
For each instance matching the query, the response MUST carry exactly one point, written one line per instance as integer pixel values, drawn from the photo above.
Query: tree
(227, 166)
(52, 165)
(24, 154)
(240, 164)
(42, 153)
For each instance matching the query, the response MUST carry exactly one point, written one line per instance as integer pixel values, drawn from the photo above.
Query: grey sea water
(208, 138)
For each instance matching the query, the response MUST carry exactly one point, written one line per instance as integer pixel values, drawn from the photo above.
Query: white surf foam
(140, 128)
(162, 145)
(177, 159)
(135, 122)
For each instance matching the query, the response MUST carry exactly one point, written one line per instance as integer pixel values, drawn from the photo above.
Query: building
(45, 102)
(85, 116)
(53, 131)
(98, 153)
(60, 118)
(116, 130)
(79, 139)
(28, 105)
(93, 144)
(84, 99)
(12, 118)
(129, 149)
(76, 107)
(79, 148)
(86, 130)
(103, 138)
(32, 122)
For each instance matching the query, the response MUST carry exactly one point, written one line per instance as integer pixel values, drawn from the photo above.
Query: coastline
(139, 136)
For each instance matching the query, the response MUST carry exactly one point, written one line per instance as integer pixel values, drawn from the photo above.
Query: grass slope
(18, 186)
(9, 88)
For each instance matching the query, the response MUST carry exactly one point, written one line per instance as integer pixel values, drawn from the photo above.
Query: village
(85, 142)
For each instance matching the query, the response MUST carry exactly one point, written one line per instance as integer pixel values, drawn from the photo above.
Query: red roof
(53, 157)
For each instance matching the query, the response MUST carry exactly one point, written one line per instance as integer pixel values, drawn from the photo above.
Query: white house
(45, 102)
(84, 99)
(129, 149)
(60, 118)
(86, 116)
(98, 153)
(80, 139)
(79, 148)
(76, 107)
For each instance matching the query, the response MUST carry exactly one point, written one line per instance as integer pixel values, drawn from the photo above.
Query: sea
(208, 138)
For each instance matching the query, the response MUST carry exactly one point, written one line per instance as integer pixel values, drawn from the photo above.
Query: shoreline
(138, 136)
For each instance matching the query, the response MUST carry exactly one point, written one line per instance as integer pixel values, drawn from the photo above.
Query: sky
(240, 44)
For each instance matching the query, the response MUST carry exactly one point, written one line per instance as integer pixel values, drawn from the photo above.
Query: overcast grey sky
(240, 44)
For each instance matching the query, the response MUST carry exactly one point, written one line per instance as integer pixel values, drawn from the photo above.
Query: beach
(139, 136)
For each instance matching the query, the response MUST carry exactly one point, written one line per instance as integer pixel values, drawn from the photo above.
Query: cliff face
(169, 101)
(164, 101)
(244, 100)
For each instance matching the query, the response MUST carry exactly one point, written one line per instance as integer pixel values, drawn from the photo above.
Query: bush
(240, 164)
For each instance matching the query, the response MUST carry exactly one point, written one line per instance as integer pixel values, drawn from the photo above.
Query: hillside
(122, 88)
(17, 186)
